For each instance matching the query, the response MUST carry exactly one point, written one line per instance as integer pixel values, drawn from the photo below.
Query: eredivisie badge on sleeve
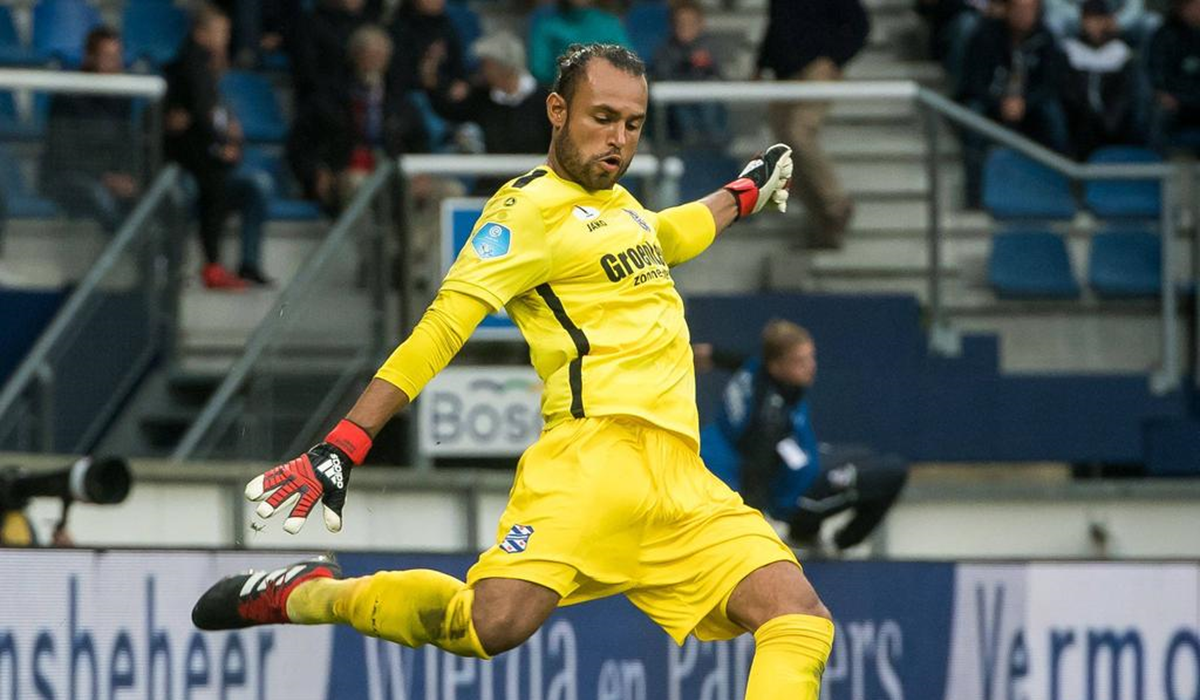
(492, 240)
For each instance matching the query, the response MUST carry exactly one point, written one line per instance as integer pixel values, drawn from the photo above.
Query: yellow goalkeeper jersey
(585, 276)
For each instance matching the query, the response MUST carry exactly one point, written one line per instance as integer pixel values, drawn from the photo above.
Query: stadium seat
(153, 31)
(281, 206)
(466, 23)
(16, 126)
(60, 28)
(1031, 265)
(253, 101)
(1124, 199)
(1016, 187)
(22, 201)
(648, 27)
(707, 170)
(1125, 264)
(12, 51)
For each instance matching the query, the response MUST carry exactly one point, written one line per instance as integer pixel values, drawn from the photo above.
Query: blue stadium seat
(253, 101)
(153, 31)
(281, 206)
(1015, 187)
(704, 172)
(12, 51)
(648, 27)
(1031, 265)
(1125, 264)
(22, 201)
(466, 23)
(15, 126)
(60, 28)
(1124, 199)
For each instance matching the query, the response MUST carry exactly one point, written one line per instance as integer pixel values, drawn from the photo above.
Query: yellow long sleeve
(685, 231)
(437, 338)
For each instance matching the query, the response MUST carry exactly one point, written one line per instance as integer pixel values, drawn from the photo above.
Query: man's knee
(773, 591)
(506, 612)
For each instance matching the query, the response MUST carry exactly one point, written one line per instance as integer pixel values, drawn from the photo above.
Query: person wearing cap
(504, 99)
(1101, 94)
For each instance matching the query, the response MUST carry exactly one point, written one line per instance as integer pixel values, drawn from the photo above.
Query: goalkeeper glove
(764, 180)
(321, 474)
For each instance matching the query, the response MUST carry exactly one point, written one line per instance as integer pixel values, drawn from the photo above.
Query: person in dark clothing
(1174, 66)
(813, 40)
(1015, 74)
(763, 445)
(343, 131)
(421, 31)
(318, 46)
(506, 101)
(205, 138)
(89, 167)
(689, 54)
(1101, 97)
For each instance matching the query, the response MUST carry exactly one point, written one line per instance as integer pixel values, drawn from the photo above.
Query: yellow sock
(789, 658)
(408, 607)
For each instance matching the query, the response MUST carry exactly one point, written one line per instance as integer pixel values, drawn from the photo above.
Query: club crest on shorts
(492, 240)
(517, 539)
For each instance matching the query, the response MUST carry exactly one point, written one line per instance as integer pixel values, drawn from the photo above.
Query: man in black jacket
(1015, 74)
(813, 40)
(91, 164)
(205, 138)
(421, 30)
(1102, 83)
(318, 46)
(1175, 75)
(342, 131)
(506, 102)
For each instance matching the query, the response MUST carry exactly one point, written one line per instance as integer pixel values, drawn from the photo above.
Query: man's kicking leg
(412, 608)
(793, 632)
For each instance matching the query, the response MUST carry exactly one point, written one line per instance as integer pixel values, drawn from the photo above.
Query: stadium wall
(82, 624)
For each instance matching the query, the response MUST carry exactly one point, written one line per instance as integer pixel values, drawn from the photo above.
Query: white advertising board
(480, 412)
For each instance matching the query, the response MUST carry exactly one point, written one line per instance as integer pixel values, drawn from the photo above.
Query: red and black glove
(763, 181)
(321, 474)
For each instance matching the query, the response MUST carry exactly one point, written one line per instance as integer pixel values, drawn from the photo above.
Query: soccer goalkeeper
(613, 497)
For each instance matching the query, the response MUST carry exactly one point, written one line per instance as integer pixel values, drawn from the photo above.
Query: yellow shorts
(612, 505)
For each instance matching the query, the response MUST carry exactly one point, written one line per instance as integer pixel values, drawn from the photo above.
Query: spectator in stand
(1102, 84)
(344, 131)
(1175, 76)
(318, 48)
(423, 33)
(763, 446)
(505, 102)
(87, 166)
(1133, 21)
(688, 54)
(952, 23)
(813, 40)
(573, 22)
(1015, 74)
(205, 138)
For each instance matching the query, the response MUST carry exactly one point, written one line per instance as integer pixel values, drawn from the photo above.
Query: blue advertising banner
(116, 624)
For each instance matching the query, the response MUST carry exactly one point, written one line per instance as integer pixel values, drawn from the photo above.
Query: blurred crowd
(371, 79)
(1074, 75)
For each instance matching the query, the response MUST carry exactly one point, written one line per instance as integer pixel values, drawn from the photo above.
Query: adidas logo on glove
(332, 469)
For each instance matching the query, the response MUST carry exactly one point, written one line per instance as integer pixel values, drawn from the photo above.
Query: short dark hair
(572, 64)
(98, 36)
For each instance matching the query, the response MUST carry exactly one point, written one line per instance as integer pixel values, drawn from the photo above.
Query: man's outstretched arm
(686, 230)
(322, 473)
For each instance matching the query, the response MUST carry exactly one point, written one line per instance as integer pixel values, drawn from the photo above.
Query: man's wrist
(351, 439)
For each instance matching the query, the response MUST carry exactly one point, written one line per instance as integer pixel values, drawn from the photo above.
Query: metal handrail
(324, 255)
(942, 338)
(131, 232)
(82, 83)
